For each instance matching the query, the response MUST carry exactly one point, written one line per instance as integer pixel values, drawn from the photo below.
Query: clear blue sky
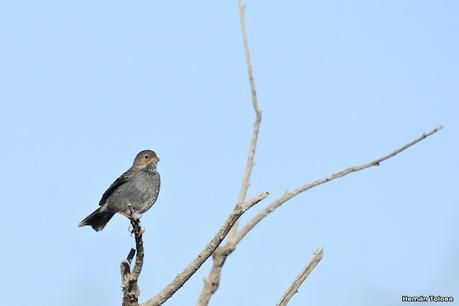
(85, 85)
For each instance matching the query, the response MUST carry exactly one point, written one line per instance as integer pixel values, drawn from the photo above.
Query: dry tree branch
(256, 126)
(129, 279)
(213, 280)
(184, 276)
(288, 195)
(219, 257)
(318, 254)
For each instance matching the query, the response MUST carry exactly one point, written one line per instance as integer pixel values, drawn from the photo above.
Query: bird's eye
(146, 157)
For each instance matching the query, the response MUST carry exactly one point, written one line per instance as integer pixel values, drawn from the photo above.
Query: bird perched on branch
(132, 194)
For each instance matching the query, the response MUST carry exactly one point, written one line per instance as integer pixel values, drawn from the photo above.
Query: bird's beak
(155, 159)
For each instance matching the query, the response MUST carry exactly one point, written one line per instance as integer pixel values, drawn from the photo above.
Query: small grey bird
(138, 188)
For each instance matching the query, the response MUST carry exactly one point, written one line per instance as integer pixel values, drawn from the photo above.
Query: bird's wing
(114, 186)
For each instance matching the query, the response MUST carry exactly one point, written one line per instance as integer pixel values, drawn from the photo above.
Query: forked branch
(213, 279)
(184, 276)
(258, 114)
(212, 282)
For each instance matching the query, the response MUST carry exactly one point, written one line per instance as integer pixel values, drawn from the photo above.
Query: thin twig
(185, 275)
(245, 39)
(258, 114)
(288, 195)
(318, 254)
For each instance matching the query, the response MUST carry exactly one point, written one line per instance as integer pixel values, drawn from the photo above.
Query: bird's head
(146, 158)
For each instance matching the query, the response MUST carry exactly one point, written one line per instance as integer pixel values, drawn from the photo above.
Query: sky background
(85, 85)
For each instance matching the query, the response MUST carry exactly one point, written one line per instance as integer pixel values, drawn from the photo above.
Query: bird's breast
(140, 192)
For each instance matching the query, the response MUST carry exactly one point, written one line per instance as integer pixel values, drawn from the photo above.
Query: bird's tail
(98, 219)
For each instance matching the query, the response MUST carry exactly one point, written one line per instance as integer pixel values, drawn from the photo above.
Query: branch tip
(287, 196)
(317, 257)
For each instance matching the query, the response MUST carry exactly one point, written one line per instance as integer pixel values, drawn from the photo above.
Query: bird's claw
(138, 231)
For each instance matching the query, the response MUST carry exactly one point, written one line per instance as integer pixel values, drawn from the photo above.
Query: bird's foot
(141, 230)
(137, 230)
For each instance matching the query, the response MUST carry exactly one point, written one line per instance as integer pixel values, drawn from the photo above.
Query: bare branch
(248, 59)
(288, 195)
(213, 280)
(185, 275)
(129, 279)
(318, 254)
(256, 126)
